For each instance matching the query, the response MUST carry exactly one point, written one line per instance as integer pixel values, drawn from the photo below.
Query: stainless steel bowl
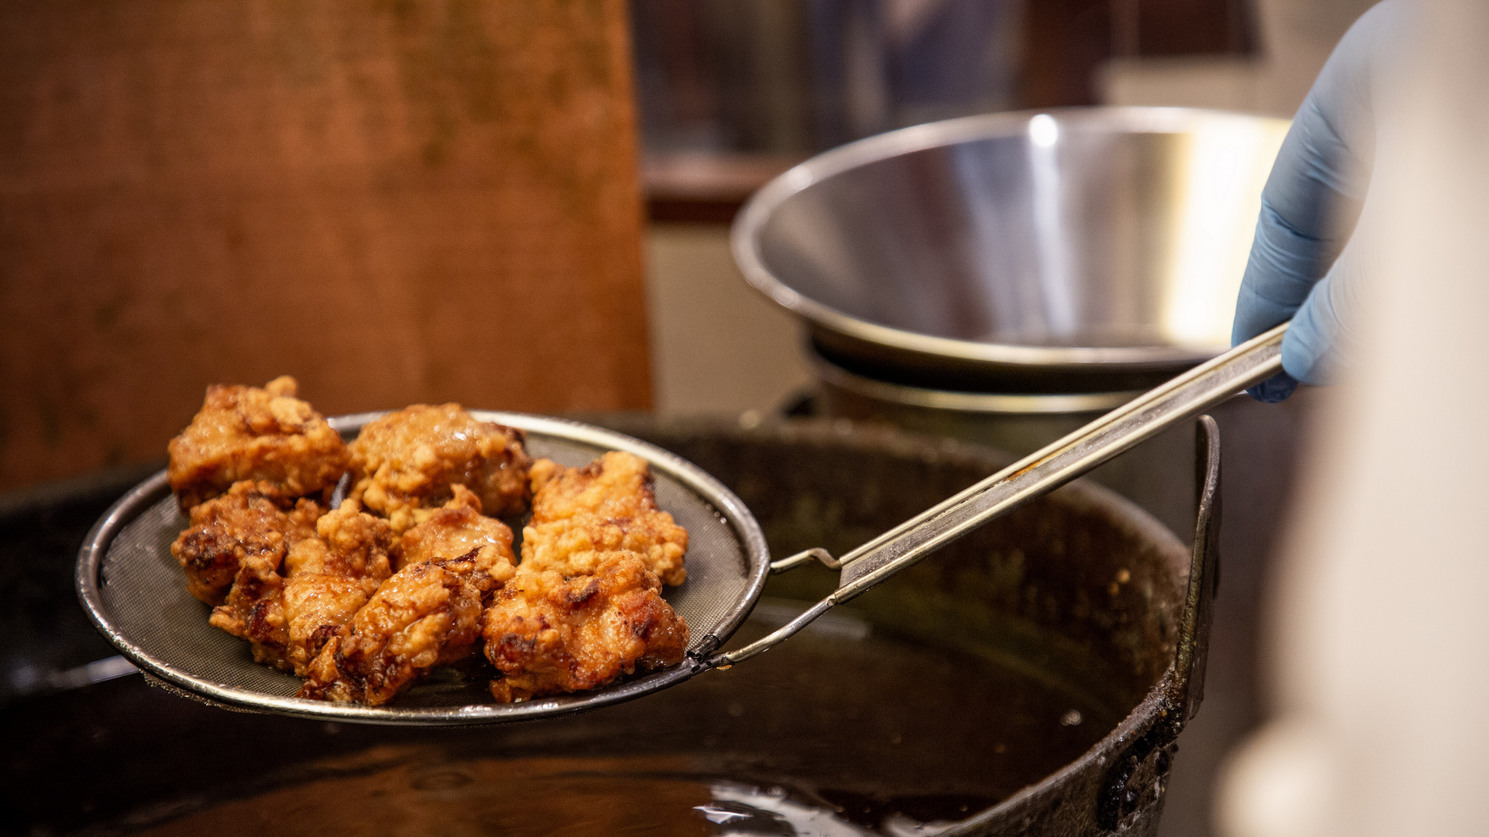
(1074, 250)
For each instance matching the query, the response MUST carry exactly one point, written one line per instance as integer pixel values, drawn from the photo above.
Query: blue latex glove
(1300, 266)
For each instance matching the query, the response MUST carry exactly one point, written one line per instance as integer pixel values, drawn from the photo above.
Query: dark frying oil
(836, 731)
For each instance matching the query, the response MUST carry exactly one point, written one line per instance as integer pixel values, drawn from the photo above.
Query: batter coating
(583, 515)
(455, 529)
(265, 435)
(409, 460)
(427, 614)
(246, 523)
(330, 577)
(414, 569)
(548, 634)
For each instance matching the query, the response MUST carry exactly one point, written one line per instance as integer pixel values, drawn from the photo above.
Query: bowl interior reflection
(1095, 235)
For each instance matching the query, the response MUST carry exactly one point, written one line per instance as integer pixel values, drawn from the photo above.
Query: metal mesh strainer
(134, 590)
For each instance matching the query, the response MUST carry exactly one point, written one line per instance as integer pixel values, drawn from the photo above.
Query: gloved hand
(1302, 266)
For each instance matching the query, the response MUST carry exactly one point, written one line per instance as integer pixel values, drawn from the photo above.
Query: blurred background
(514, 206)
(732, 93)
(379, 196)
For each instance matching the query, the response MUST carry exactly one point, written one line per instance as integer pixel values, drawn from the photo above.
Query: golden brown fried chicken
(409, 460)
(455, 529)
(427, 614)
(245, 532)
(549, 635)
(317, 607)
(582, 515)
(350, 542)
(287, 609)
(316, 592)
(247, 521)
(254, 610)
(261, 434)
(330, 577)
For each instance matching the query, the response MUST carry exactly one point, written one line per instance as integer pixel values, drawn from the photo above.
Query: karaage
(249, 521)
(427, 614)
(548, 634)
(580, 516)
(455, 529)
(409, 460)
(262, 434)
(332, 576)
(414, 568)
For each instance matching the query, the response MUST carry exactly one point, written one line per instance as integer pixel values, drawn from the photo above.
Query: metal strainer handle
(1043, 471)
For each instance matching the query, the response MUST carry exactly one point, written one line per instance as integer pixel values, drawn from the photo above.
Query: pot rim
(977, 403)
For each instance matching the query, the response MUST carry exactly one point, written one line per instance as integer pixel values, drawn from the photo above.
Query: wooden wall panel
(393, 201)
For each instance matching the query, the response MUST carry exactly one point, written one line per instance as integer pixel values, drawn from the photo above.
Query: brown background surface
(392, 201)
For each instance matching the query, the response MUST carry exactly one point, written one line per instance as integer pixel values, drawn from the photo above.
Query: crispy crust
(548, 634)
(410, 460)
(265, 435)
(414, 569)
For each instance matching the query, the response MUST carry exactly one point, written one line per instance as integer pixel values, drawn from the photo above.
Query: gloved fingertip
(1309, 349)
(1274, 389)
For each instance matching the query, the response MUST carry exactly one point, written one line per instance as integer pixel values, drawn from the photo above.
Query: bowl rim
(846, 331)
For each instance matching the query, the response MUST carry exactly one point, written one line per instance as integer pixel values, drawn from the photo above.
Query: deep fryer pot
(1154, 626)
(1076, 594)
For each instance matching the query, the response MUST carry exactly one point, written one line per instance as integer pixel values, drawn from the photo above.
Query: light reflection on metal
(1044, 131)
(1207, 256)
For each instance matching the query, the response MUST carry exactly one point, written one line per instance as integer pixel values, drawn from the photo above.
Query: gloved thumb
(1317, 343)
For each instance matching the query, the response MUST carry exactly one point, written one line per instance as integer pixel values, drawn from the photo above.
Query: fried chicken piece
(427, 614)
(409, 460)
(287, 608)
(582, 515)
(247, 533)
(254, 610)
(455, 529)
(350, 542)
(548, 635)
(248, 433)
(331, 577)
(246, 522)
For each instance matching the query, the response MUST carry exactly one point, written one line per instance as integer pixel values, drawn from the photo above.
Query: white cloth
(1381, 622)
